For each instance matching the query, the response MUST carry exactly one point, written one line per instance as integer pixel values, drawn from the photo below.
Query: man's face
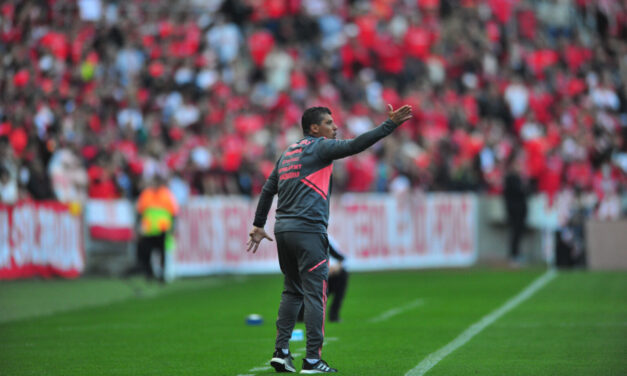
(326, 128)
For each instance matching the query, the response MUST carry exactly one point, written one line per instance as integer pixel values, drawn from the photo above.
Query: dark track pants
(337, 288)
(516, 232)
(145, 246)
(304, 261)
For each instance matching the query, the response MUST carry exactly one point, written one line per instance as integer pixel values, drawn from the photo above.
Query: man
(157, 207)
(515, 197)
(302, 177)
(8, 187)
(338, 280)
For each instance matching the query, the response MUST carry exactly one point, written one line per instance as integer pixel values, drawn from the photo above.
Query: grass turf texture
(575, 325)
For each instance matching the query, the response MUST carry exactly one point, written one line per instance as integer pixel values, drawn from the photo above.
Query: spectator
(69, 178)
(38, 182)
(157, 208)
(8, 187)
(515, 196)
(151, 81)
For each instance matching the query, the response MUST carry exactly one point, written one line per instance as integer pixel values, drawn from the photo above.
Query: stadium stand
(105, 94)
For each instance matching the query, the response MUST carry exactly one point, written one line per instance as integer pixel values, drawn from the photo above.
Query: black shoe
(282, 362)
(334, 318)
(320, 367)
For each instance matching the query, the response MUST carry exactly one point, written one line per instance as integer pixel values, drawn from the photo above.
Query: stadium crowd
(98, 96)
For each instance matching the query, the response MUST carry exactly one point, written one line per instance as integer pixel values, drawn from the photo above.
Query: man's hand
(335, 269)
(257, 234)
(401, 115)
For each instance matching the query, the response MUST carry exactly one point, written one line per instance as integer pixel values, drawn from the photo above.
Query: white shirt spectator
(331, 26)
(183, 75)
(186, 115)
(517, 97)
(400, 184)
(8, 187)
(154, 167)
(69, 177)
(180, 189)
(90, 10)
(558, 13)
(43, 119)
(315, 8)
(435, 70)
(487, 159)
(604, 97)
(206, 78)
(130, 117)
(278, 66)
(225, 40)
(374, 90)
(129, 62)
(359, 124)
(530, 130)
(172, 102)
(201, 157)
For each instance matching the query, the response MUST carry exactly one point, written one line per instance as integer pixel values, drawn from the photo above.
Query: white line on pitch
(257, 369)
(430, 361)
(396, 311)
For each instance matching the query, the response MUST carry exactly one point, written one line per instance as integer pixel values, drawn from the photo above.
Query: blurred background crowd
(100, 96)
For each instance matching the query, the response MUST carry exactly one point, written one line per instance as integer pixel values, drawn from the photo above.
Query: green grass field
(575, 324)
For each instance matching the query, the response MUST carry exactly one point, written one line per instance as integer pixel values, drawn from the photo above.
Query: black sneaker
(320, 367)
(282, 362)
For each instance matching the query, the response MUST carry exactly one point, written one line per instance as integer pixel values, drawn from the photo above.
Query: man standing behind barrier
(302, 179)
(157, 208)
(515, 197)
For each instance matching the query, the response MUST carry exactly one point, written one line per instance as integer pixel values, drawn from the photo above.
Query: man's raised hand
(257, 234)
(401, 115)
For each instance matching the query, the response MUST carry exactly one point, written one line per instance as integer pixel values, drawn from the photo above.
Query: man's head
(318, 122)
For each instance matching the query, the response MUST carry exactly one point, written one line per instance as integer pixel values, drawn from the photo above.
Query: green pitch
(573, 324)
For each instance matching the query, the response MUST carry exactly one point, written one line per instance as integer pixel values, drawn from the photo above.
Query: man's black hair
(313, 115)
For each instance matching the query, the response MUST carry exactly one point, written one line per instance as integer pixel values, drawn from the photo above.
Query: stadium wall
(376, 231)
(41, 239)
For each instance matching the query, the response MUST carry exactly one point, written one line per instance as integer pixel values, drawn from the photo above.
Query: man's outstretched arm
(330, 150)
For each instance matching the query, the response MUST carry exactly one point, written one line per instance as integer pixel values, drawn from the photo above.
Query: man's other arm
(257, 233)
(270, 188)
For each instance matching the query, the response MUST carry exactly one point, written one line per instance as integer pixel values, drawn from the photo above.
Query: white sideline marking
(396, 311)
(563, 325)
(257, 369)
(430, 361)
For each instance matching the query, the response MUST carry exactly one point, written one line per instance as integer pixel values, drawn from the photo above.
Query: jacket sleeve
(270, 188)
(329, 150)
(334, 250)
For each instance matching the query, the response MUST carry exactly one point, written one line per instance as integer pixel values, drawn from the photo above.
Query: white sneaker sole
(280, 365)
(311, 371)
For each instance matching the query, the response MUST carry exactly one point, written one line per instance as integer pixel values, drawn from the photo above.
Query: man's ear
(314, 129)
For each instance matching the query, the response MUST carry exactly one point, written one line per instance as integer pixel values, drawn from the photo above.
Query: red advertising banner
(110, 220)
(406, 231)
(40, 239)
(373, 231)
